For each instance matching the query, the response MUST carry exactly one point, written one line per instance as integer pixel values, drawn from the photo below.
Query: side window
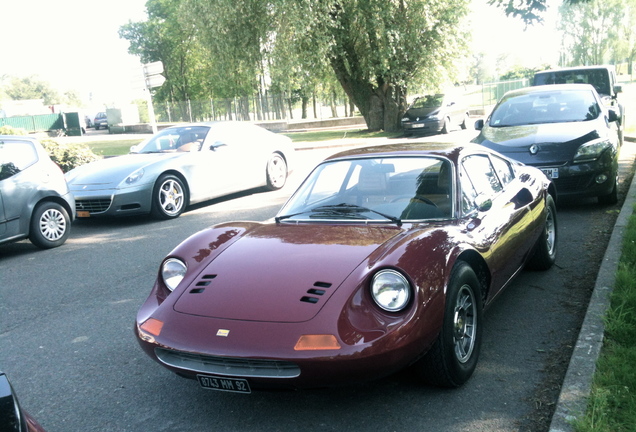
(15, 157)
(482, 174)
(503, 168)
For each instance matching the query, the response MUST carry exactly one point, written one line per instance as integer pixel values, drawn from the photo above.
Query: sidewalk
(577, 384)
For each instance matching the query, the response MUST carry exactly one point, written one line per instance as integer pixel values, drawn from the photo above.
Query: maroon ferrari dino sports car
(385, 257)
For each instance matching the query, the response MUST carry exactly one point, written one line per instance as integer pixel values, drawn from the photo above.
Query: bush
(10, 130)
(68, 156)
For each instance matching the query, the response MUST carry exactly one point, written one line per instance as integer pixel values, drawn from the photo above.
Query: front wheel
(168, 197)
(50, 225)
(545, 249)
(446, 127)
(276, 172)
(453, 357)
(612, 197)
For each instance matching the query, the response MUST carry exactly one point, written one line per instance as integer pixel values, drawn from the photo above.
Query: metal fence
(257, 108)
(492, 92)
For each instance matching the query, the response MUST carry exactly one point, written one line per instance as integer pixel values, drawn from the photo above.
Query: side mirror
(483, 203)
(479, 124)
(618, 88)
(133, 149)
(216, 145)
(611, 115)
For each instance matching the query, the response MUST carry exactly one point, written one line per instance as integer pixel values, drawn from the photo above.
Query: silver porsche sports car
(180, 166)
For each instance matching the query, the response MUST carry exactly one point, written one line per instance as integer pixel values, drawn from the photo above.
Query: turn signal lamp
(152, 326)
(317, 342)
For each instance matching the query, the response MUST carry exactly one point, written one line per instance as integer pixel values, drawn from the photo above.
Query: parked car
(434, 114)
(565, 130)
(12, 417)
(602, 77)
(35, 201)
(384, 257)
(101, 121)
(180, 166)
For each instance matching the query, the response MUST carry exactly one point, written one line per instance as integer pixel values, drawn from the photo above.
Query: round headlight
(390, 290)
(172, 272)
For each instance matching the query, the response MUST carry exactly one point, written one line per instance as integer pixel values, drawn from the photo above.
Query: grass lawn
(612, 403)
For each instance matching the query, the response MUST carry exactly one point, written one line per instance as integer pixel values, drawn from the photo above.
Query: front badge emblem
(223, 333)
(534, 149)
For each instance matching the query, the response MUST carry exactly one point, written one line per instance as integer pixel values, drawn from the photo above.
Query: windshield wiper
(353, 208)
(341, 209)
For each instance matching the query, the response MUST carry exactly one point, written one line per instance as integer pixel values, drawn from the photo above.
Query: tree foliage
(32, 87)
(373, 47)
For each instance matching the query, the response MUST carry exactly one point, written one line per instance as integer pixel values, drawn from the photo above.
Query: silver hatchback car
(35, 202)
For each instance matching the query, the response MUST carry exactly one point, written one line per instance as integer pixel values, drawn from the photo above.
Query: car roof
(551, 88)
(577, 68)
(445, 150)
(17, 138)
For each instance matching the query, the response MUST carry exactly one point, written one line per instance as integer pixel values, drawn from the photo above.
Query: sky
(74, 44)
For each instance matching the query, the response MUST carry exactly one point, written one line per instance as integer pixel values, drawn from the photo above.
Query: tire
(276, 172)
(446, 128)
(545, 249)
(96, 126)
(50, 225)
(612, 197)
(464, 124)
(168, 198)
(453, 357)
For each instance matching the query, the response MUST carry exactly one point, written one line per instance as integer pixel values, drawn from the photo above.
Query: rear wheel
(168, 197)
(545, 249)
(50, 225)
(276, 172)
(453, 357)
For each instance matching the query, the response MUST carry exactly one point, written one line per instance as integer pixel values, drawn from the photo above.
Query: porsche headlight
(136, 176)
(390, 290)
(172, 272)
(591, 151)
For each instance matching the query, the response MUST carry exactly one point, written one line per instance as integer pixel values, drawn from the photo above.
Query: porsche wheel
(276, 172)
(446, 128)
(453, 357)
(168, 197)
(50, 225)
(545, 250)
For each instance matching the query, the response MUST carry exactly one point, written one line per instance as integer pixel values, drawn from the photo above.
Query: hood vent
(202, 283)
(316, 292)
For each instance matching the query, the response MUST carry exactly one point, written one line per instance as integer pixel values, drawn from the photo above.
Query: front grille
(228, 366)
(93, 205)
(574, 183)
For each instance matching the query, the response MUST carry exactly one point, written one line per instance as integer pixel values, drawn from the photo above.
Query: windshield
(545, 107)
(599, 78)
(430, 101)
(374, 189)
(175, 139)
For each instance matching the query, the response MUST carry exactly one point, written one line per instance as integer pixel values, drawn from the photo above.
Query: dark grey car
(35, 202)
(563, 129)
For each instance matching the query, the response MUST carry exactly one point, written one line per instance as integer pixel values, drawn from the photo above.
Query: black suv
(603, 78)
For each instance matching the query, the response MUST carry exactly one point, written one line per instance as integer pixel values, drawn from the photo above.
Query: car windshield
(390, 189)
(430, 101)
(175, 139)
(545, 107)
(599, 78)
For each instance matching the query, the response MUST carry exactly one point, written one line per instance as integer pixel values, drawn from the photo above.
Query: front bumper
(580, 180)
(423, 126)
(113, 202)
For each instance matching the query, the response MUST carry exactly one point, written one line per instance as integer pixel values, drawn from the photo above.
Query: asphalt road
(67, 344)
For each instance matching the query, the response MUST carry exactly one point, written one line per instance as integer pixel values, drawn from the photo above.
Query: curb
(577, 384)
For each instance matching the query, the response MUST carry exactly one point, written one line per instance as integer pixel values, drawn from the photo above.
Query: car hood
(554, 143)
(110, 172)
(280, 272)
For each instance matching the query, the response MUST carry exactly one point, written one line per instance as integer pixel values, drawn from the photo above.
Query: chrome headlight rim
(391, 290)
(173, 270)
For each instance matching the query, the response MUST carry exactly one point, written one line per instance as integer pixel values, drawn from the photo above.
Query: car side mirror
(618, 88)
(611, 115)
(483, 203)
(479, 124)
(216, 145)
(133, 149)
